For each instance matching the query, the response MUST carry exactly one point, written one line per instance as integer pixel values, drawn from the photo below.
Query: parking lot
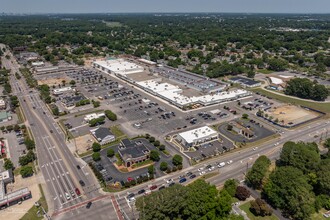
(77, 126)
(15, 145)
(211, 149)
(112, 174)
(257, 128)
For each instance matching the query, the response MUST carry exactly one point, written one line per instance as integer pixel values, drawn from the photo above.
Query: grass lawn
(20, 115)
(265, 71)
(209, 175)
(144, 163)
(117, 132)
(324, 107)
(32, 213)
(246, 208)
(318, 215)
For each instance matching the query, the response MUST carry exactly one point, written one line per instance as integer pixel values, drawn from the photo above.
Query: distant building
(92, 116)
(5, 116)
(70, 101)
(62, 90)
(133, 152)
(103, 135)
(242, 129)
(2, 104)
(196, 136)
(37, 64)
(245, 82)
(10, 198)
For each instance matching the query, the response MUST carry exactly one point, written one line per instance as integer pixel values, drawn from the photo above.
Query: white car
(200, 169)
(202, 173)
(211, 168)
(222, 164)
(230, 162)
(67, 196)
(169, 181)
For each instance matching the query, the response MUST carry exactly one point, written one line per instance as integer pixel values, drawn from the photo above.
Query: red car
(129, 179)
(77, 191)
(153, 187)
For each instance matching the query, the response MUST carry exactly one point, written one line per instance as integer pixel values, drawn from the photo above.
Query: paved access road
(57, 164)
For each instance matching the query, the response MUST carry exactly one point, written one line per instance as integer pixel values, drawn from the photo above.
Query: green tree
(8, 164)
(323, 177)
(163, 166)
(110, 115)
(198, 200)
(151, 169)
(245, 116)
(304, 156)
(256, 175)
(96, 147)
(277, 64)
(28, 158)
(110, 152)
(260, 208)
(26, 171)
(96, 156)
(29, 143)
(288, 189)
(162, 147)
(177, 160)
(154, 155)
(230, 186)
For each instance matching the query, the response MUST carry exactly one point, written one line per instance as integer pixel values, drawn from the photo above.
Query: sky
(131, 6)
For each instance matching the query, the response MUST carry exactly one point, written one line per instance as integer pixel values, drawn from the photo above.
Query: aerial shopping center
(183, 89)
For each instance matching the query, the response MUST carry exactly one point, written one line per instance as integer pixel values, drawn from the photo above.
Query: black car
(78, 167)
(161, 188)
(89, 204)
(131, 195)
(192, 176)
(82, 183)
(141, 191)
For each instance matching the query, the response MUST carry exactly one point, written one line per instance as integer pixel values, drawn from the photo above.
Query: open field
(53, 81)
(246, 208)
(324, 107)
(292, 113)
(32, 213)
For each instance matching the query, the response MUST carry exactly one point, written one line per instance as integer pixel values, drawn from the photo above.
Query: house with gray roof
(103, 135)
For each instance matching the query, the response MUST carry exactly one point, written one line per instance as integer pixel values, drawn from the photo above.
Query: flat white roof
(120, 66)
(173, 93)
(147, 61)
(93, 116)
(63, 89)
(275, 80)
(285, 76)
(197, 134)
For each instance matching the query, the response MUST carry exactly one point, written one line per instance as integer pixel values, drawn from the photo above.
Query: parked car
(89, 204)
(82, 183)
(77, 192)
(153, 187)
(192, 176)
(182, 180)
(141, 191)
